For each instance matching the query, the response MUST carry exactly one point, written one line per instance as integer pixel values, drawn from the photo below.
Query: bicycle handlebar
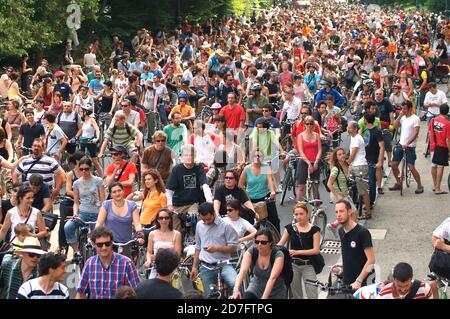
(125, 244)
(331, 290)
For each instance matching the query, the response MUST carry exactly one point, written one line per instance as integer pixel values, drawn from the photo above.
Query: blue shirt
(338, 99)
(64, 89)
(96, 86)
(311, 82)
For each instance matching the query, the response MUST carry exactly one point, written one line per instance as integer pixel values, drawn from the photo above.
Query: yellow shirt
(151, 205)
(185, 110)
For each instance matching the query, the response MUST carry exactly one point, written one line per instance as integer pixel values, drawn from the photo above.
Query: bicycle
(442, 284)
(138, 255)
(332, 287)
(84, 244)
(289, 182)
(406, 174)
(263, 221)
(218, 290)
(204, 114)
(181, 277)
(286, 140)
(427, 140)
(354, 194)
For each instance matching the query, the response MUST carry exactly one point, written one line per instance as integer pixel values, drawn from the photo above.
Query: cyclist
(83, 98)
(326, 89)
(71, 123)
(253, 109)
(123, 134)
(131, 116)
(28, 132)
(186, 111)
(41, 190)
(166, 261)
(245, 230)
(291, 105)
(267, 282)
(234, 113)
(118, 270)
(177, 134)
(434, 98)
(122, 217)
(163, 237)
(55, 139)
(410, 124)
(187, 186)
(356, 247)
(215, 241)
(89, 135)
(88, 194)
(304, 241)
(403, 285)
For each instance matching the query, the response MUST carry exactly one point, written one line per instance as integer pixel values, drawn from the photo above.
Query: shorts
(410, 154)
(91, 147)
(360, 170)
(440, 156)
(387, 139)
(302, 173)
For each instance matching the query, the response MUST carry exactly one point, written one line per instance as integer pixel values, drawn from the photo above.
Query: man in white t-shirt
(358, 166)
(291, 105)
(410, 124)
(4, 82)
(131, 116)
(433, 100)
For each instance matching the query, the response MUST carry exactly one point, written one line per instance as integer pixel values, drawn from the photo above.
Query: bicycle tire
(180, 275)
(407, 176)
(448, 181)
(275, 233)
(427, 150)
(139, 262)
(402, 177)
(286, 181)
(320, 220)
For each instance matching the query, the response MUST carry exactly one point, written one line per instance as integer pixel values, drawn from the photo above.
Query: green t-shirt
(256, 103)
(175, 137)
(363, 126)
(266, 142)
(340, 181)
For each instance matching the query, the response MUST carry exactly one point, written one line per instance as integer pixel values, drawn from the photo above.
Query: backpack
(127, 126)
(287, 273)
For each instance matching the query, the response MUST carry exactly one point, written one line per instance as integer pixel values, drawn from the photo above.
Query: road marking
(378, 234)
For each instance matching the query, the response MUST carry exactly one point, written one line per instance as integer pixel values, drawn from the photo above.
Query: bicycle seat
(189, 250)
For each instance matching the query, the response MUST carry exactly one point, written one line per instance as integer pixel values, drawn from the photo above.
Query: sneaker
(332, 227)
(419, 190)
(380, 191)
(279, 189)
(396, 187)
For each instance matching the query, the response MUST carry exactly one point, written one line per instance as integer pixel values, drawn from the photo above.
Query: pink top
(311, 149)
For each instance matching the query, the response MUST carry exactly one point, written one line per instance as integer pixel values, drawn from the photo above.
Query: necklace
(120, 206)
(20, 213)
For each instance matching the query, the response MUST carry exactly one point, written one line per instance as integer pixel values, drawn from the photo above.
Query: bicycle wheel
(139, 262)
(286, 182)
(320, 220)
(448, 181)
(407, 176)
(427, 150)
(266, 224)
(181, 281)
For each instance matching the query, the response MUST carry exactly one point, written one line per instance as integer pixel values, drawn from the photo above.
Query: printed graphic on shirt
(190, 181)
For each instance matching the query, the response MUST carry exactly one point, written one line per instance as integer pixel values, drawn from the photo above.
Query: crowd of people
(198, 123)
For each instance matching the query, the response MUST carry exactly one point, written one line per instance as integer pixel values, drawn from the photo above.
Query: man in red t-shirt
(439, 128)
(121, 170)
(233, 112)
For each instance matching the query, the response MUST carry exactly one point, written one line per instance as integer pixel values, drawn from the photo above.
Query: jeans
(162, 113)
(372, 182)
(209, 277)
(64, 212)
(72, 225)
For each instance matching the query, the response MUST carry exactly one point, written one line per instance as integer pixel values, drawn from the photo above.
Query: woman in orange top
(153, 196)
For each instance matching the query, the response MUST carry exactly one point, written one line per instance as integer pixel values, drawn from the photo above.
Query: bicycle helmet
(183, 95)
(255, 87)
(59, 73)
(88, 107)
(365, 76)
(369, 82)
(216, 106)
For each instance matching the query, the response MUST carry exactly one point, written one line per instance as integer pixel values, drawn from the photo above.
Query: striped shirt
(11, 278)
(121, 136)
(390, 292)
(101, 282)
(46, 166)
(33, 290)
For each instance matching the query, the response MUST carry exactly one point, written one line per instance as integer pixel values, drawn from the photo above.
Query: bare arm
(276, 271)
(101, 217)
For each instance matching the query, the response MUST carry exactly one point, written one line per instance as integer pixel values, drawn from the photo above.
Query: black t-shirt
(186, 184)
(273, 89)
(222, 93)
(442, 47)
(385, 108)
(64, 89)
(371, 138)
(353, 244)
(30, 133)
(157, 289)
(307, 241)
(225, 195)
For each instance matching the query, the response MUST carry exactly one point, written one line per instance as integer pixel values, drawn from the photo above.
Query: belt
(301, 262)
(208, 264)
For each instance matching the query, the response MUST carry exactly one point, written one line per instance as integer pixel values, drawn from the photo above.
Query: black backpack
(287, 273)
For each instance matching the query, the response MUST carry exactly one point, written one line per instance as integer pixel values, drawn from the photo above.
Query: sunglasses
(304, 113)
(160, 141)
(230, 210)
(33, 255)
(107, 244)
(164, 218)
(115, 154)
(309, 123)
(262, 242)
(124, 105)
(265, 110)
(85, 169)
(229, 177)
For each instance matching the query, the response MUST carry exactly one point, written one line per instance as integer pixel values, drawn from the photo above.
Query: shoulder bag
(317, 261)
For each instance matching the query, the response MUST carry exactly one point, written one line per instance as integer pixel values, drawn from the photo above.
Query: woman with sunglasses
(88, 194)
(153, 196)
(88, 136)
(23, 212)
(310, 150)
(163, 237)
(240, 225)
(121, 216)
(304, 241)
(256, 179)
(267, 282)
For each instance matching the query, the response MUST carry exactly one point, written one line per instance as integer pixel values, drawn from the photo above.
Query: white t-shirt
(358, 142)
(4, 84)
(16, 219)
(54, 140)
(90, 59)
(439, 97)
(443, 230)
(408, 124)
(241, 226)
(292, 108)
(33, 290)
(121, 85)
